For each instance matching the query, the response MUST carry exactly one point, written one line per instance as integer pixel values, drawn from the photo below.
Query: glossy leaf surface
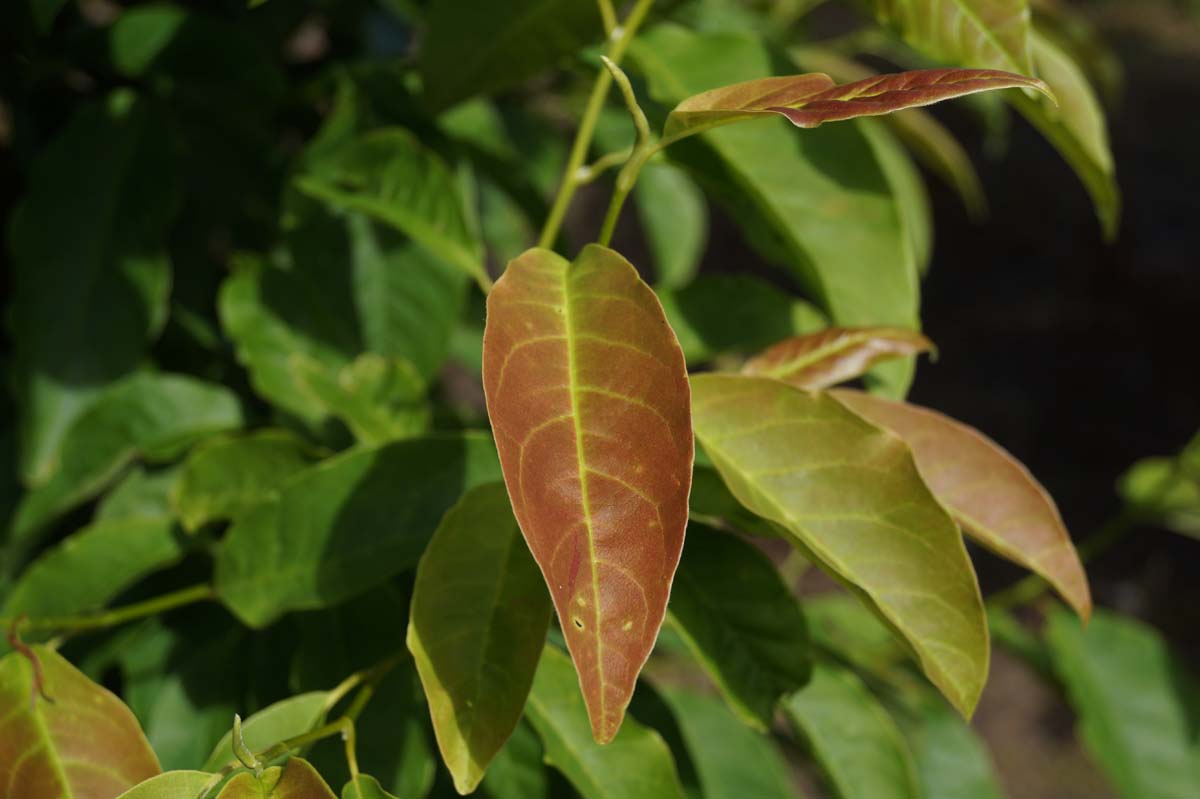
(976, 33)
(477, 628)
(171, 785)
(81, 745)
(227, 477)
(995, 498)
(741, 622)
(284, 719)
(1136, 701)
(636, 763)
(67, 344)
(588, 396)
(852, 736)
(851, 498)
(814, 99)
(833, 356)
(346, 524)
(732, 761)
(296, 779)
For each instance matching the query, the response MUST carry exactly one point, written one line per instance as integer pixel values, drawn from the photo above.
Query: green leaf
(816, 203)
(364, 787)
(834, 355)
(711, 503)
(68, 345)
(975, 33)
(1136, 702)
(733, 762)
(293, 716)
(912, 198)
(379, 399)
(517, 771)
(843, 626)
(346, 524)
(1167, 490)
(587, 393)
(83, 743)
(171, 785)
(674, 218)
(480, 47)
(636, 763)
(142, 494)
(741, 622)
(1075, 127)
(852, 500)
(990, 493)
(152, 416)
(295, 780)
(854, 739)
(90, 568)
(951, 760)
(478, 624)
(718, 315)
(390, 176)
(226, 477)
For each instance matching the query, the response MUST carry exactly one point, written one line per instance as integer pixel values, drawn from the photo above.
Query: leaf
(711, 503)
(295, 780)
(810, 100)
(818, 204)
(390, 176)
(995, 499)
(142, 494)
(288, 718)
(67, 343)
(674, 218)
(478, 624)
(834, 355)
(171, 785)
(1167, 490)
(153, 416)
(850, 496)
(226, 477)
(364, 787)
(950, 758)
(843, 626)
(1076, 128)
(346, 524)
(583, 374)
(84, 743)
(1136, 702)
(741, 622)
(852, 736)
(517, 771)
(718, 315)
(636, 763)
(975, 33)
(88, 569)
(733, 762)
(379, 399)
(478, 47)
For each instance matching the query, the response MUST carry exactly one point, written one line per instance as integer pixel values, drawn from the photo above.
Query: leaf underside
(835, 355)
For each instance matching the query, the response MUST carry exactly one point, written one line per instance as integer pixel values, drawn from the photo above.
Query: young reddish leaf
(79, 742)
(589, 401)
(297, 779)
(834, 356)
(812, 99)
(989, 492)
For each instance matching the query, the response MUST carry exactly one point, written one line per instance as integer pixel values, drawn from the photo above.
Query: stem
(619, 39)
(111, 618)
(608, 15)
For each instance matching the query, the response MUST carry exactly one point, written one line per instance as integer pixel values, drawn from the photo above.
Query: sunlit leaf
(478, 625)
(1167, 490)
(295, 780)
(995, 498)
(68, 344)
(814, 99)
(346, 524)
(152, 416)
(588, 396)
(674, 218)
(288, 718)
(364, 787)
(81, 743)
(228, 476)
(379, 399)
(1136, 701)
(975, 33)
(732, 761)
(171, 785)
(479, 47)
(851, 498)
(741, 622)
(835, 355)
(636, 763)
(389, 175)
(854, 739)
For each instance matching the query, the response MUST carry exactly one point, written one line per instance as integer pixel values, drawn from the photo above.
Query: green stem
(608, 15)
(619, 40)
(111, 618)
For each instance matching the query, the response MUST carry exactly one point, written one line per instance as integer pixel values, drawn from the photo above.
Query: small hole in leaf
(578, 623)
